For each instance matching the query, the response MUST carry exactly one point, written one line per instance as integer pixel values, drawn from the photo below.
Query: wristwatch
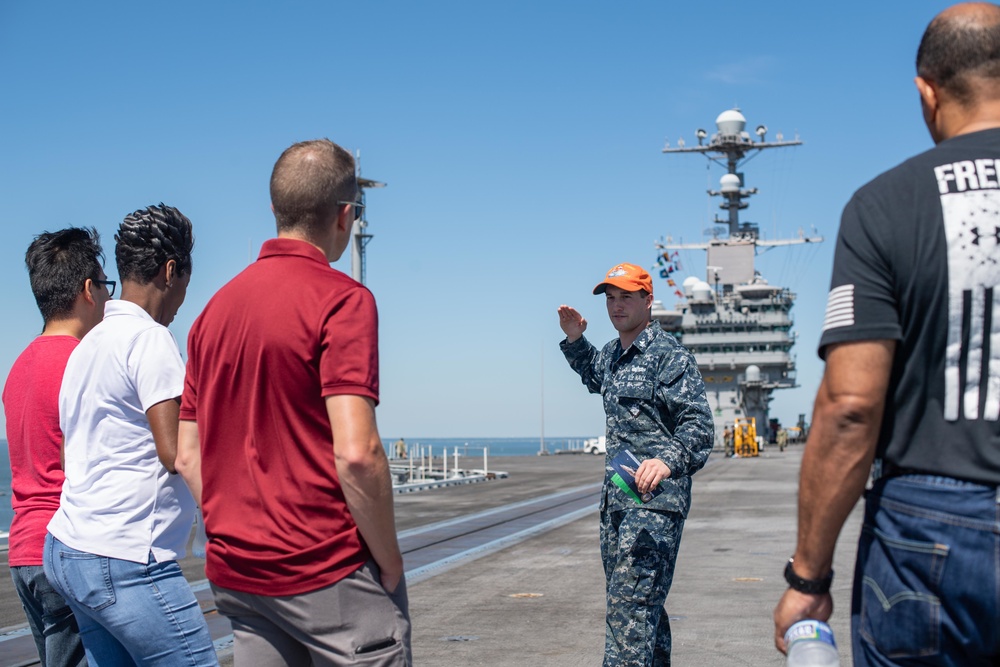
(810, 586)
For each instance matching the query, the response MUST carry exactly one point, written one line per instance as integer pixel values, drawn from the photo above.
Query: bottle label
(809, 631)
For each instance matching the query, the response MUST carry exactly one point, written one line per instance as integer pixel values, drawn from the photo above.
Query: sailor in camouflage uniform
(656, 407)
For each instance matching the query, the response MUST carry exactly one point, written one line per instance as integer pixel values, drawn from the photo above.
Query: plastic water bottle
(810, 644)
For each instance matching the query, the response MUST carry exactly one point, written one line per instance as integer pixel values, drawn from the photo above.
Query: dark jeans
(926, 584)
(49, 617)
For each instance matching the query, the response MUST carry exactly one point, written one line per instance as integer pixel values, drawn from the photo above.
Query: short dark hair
(150, 237)
(59, 264)
(961, 53)
(308, 180)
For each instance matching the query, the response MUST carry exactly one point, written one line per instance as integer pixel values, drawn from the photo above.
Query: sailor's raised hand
(571, 322)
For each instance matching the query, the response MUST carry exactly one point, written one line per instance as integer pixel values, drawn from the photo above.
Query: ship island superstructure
(738, 326)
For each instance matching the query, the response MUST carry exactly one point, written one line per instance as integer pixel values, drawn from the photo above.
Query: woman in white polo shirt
(124, 515)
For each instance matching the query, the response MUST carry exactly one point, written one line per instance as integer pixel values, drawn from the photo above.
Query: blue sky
(521, 143)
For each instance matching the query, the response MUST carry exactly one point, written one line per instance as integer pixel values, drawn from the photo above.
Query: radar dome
(688, 286)
(701, 291)
(730, 183)
(753, 373)
(730, 122)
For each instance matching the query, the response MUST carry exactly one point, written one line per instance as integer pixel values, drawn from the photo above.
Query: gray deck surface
(540, 601)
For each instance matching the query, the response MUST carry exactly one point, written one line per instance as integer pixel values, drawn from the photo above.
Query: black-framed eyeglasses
(110, 284)
(358, 207)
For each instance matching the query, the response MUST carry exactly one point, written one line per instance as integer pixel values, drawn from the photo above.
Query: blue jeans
(49, 617)
(130, 613)
(927, 578)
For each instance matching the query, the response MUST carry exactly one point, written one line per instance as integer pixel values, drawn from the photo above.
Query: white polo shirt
(118, 500)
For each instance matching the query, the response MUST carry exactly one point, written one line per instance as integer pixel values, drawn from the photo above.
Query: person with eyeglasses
(69, 285)
(278, 415)
(125, 515)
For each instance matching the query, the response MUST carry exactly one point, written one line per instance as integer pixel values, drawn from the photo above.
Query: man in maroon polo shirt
(278, 437)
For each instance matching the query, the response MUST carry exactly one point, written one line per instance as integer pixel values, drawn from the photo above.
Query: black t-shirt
(918, 261)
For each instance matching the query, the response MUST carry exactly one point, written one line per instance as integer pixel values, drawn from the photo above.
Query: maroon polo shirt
(267, 350)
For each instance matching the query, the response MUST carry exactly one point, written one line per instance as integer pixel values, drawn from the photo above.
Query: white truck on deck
(596, 445)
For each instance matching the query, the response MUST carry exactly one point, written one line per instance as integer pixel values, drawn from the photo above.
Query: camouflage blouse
(655, 403)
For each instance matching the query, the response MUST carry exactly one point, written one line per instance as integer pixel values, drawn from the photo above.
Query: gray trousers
(353, 622)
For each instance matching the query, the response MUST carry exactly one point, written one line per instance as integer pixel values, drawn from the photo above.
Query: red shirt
(268, 348)
(31, 405)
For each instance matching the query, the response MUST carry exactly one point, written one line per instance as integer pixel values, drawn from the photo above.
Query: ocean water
(496, 447)
(475, 446)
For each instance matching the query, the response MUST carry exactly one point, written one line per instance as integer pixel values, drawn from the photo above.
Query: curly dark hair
(959, 52)
(150, 237)
(59, 264)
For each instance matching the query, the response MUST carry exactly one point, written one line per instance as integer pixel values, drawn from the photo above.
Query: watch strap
(809, 586)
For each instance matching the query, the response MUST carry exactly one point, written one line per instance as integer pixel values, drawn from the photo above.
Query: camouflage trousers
(639, 549)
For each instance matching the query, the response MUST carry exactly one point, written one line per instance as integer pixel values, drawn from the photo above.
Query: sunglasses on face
(358, 207)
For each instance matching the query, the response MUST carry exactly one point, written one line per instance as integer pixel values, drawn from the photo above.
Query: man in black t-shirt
(911, 390)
